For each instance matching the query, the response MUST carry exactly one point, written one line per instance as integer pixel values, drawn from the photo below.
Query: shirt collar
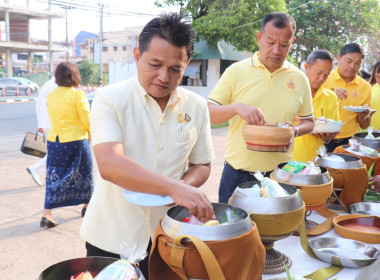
(143, 95)
(255, 62)
(337, 77)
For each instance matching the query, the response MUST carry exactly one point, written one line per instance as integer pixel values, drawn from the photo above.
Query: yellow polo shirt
(306, 146)
(281, 96)
(69, 114)
(375, 104)
(359, 94)
(162, 142)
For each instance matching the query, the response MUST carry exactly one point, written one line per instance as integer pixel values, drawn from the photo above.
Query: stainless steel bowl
(344, 252)
(366, 208)
(64, 270)
(267, 205)
(372, 143)
(301, 179)
(350, 162)
(172, 224)
(362, 154)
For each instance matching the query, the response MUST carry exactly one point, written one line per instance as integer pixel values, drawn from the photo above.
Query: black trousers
(93, 251)
(336, 143)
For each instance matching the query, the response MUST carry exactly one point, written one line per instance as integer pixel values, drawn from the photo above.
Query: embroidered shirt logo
(355, 94)
(291, 84)
(180, 118)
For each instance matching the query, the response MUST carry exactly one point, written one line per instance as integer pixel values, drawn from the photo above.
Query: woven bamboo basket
(267, 138)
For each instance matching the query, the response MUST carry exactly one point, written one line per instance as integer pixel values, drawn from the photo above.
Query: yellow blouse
(69, 114)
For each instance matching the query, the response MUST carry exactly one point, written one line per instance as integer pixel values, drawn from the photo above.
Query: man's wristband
(297, 131)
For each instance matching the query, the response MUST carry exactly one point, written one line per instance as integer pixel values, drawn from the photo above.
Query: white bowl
(327, 127)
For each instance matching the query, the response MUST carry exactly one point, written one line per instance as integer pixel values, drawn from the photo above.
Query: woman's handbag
(34, 144)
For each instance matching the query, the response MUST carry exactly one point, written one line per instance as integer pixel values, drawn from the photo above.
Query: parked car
(10, 85)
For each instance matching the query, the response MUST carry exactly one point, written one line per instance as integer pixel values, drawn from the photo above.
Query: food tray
(344, 252)
(359, 227)
(327, 127)
(366, 208)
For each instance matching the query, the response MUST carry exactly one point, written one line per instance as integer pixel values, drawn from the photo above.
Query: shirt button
(161, 122)
(161, 147)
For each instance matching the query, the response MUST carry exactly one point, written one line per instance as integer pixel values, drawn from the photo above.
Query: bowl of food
(365, 208)
(339, 161)
(323, 125)
(272, 215)
(373, 143)
(267, 138)
(74, 267)
(343, 252)
(233, 221)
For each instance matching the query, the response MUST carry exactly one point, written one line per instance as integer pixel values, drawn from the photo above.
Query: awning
(192, 69)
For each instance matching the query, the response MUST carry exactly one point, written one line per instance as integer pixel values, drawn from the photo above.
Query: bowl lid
(350, 162)
(372, 143)
(301, 179)
(172, 223)
(366, 208)
(344, 252)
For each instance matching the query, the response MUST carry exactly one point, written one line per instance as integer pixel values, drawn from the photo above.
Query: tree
(324, 24)
(89, 72)
(234, 21)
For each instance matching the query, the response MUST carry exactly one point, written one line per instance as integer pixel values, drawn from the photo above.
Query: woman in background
(69, 179)
(375, 96)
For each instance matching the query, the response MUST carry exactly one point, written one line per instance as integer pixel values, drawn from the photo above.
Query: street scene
(169, 140)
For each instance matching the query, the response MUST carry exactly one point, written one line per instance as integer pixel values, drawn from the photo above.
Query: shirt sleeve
(105, 126)
(223, 90)
(203, 150)
(83, 109)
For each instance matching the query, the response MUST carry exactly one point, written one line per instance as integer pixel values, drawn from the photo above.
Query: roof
(223, 51)
(83, 35)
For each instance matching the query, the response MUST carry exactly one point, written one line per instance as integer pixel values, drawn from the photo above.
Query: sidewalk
(25, 248)
(17, 99)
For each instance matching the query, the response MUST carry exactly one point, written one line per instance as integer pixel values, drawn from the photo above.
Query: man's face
(160, 68)
(274, 45)
(318, 72)
(349, 65)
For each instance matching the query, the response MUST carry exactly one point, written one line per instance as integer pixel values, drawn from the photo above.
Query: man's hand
(41, 130)
(326, 137)
(341, 93)
(195, 201)
(252, 115)
(375, 183)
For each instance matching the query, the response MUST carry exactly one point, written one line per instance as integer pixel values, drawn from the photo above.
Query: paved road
(25, 248)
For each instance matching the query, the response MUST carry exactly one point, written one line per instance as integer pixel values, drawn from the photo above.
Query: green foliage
(234, 21)
(89, 72)
(324, 24)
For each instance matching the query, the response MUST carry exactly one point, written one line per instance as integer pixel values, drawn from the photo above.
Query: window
(124, 48)
(105, 49)
(195, 73)
(115, 49)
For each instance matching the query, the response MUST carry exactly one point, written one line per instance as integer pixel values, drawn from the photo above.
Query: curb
(12, 100)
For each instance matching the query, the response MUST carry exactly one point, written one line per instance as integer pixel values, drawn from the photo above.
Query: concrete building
(17, 34)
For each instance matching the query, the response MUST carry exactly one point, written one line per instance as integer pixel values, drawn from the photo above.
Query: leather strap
(177, 254)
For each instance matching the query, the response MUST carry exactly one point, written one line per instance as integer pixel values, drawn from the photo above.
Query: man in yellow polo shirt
(351, 90)
(325, 103)
(264, 89)
(375, 96)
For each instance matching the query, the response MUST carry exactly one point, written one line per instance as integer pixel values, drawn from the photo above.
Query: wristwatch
(297, 131)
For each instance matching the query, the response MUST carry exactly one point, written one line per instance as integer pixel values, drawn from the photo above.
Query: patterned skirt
(69, 178)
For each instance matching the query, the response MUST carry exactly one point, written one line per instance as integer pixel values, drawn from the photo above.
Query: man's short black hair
(280, 20)
(171, 27)
(364, 74)
(319, 54)
(351, 48)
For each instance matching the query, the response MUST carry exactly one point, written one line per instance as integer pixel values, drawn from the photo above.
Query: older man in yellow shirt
(351, 90)
(325, 103)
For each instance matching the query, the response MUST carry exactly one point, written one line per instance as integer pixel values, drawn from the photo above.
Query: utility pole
(50, 45)
(101, 6)
(67, 36)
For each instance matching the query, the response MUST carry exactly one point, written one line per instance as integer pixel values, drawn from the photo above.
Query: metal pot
(301, 179)
(64, 270)
(173, 226)
(372, 143)
(350, 162)
(268, 205)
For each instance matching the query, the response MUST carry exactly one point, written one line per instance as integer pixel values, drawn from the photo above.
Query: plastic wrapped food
(311, 169)
(253, 191)
(119, 270)
(269, 187)
(334, 158)
(369, 133)
(294, 166)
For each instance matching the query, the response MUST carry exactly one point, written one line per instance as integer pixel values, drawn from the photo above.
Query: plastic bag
(369, 134)
(269, 187)
(311, 169)
(294, 166)
(253, 191)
